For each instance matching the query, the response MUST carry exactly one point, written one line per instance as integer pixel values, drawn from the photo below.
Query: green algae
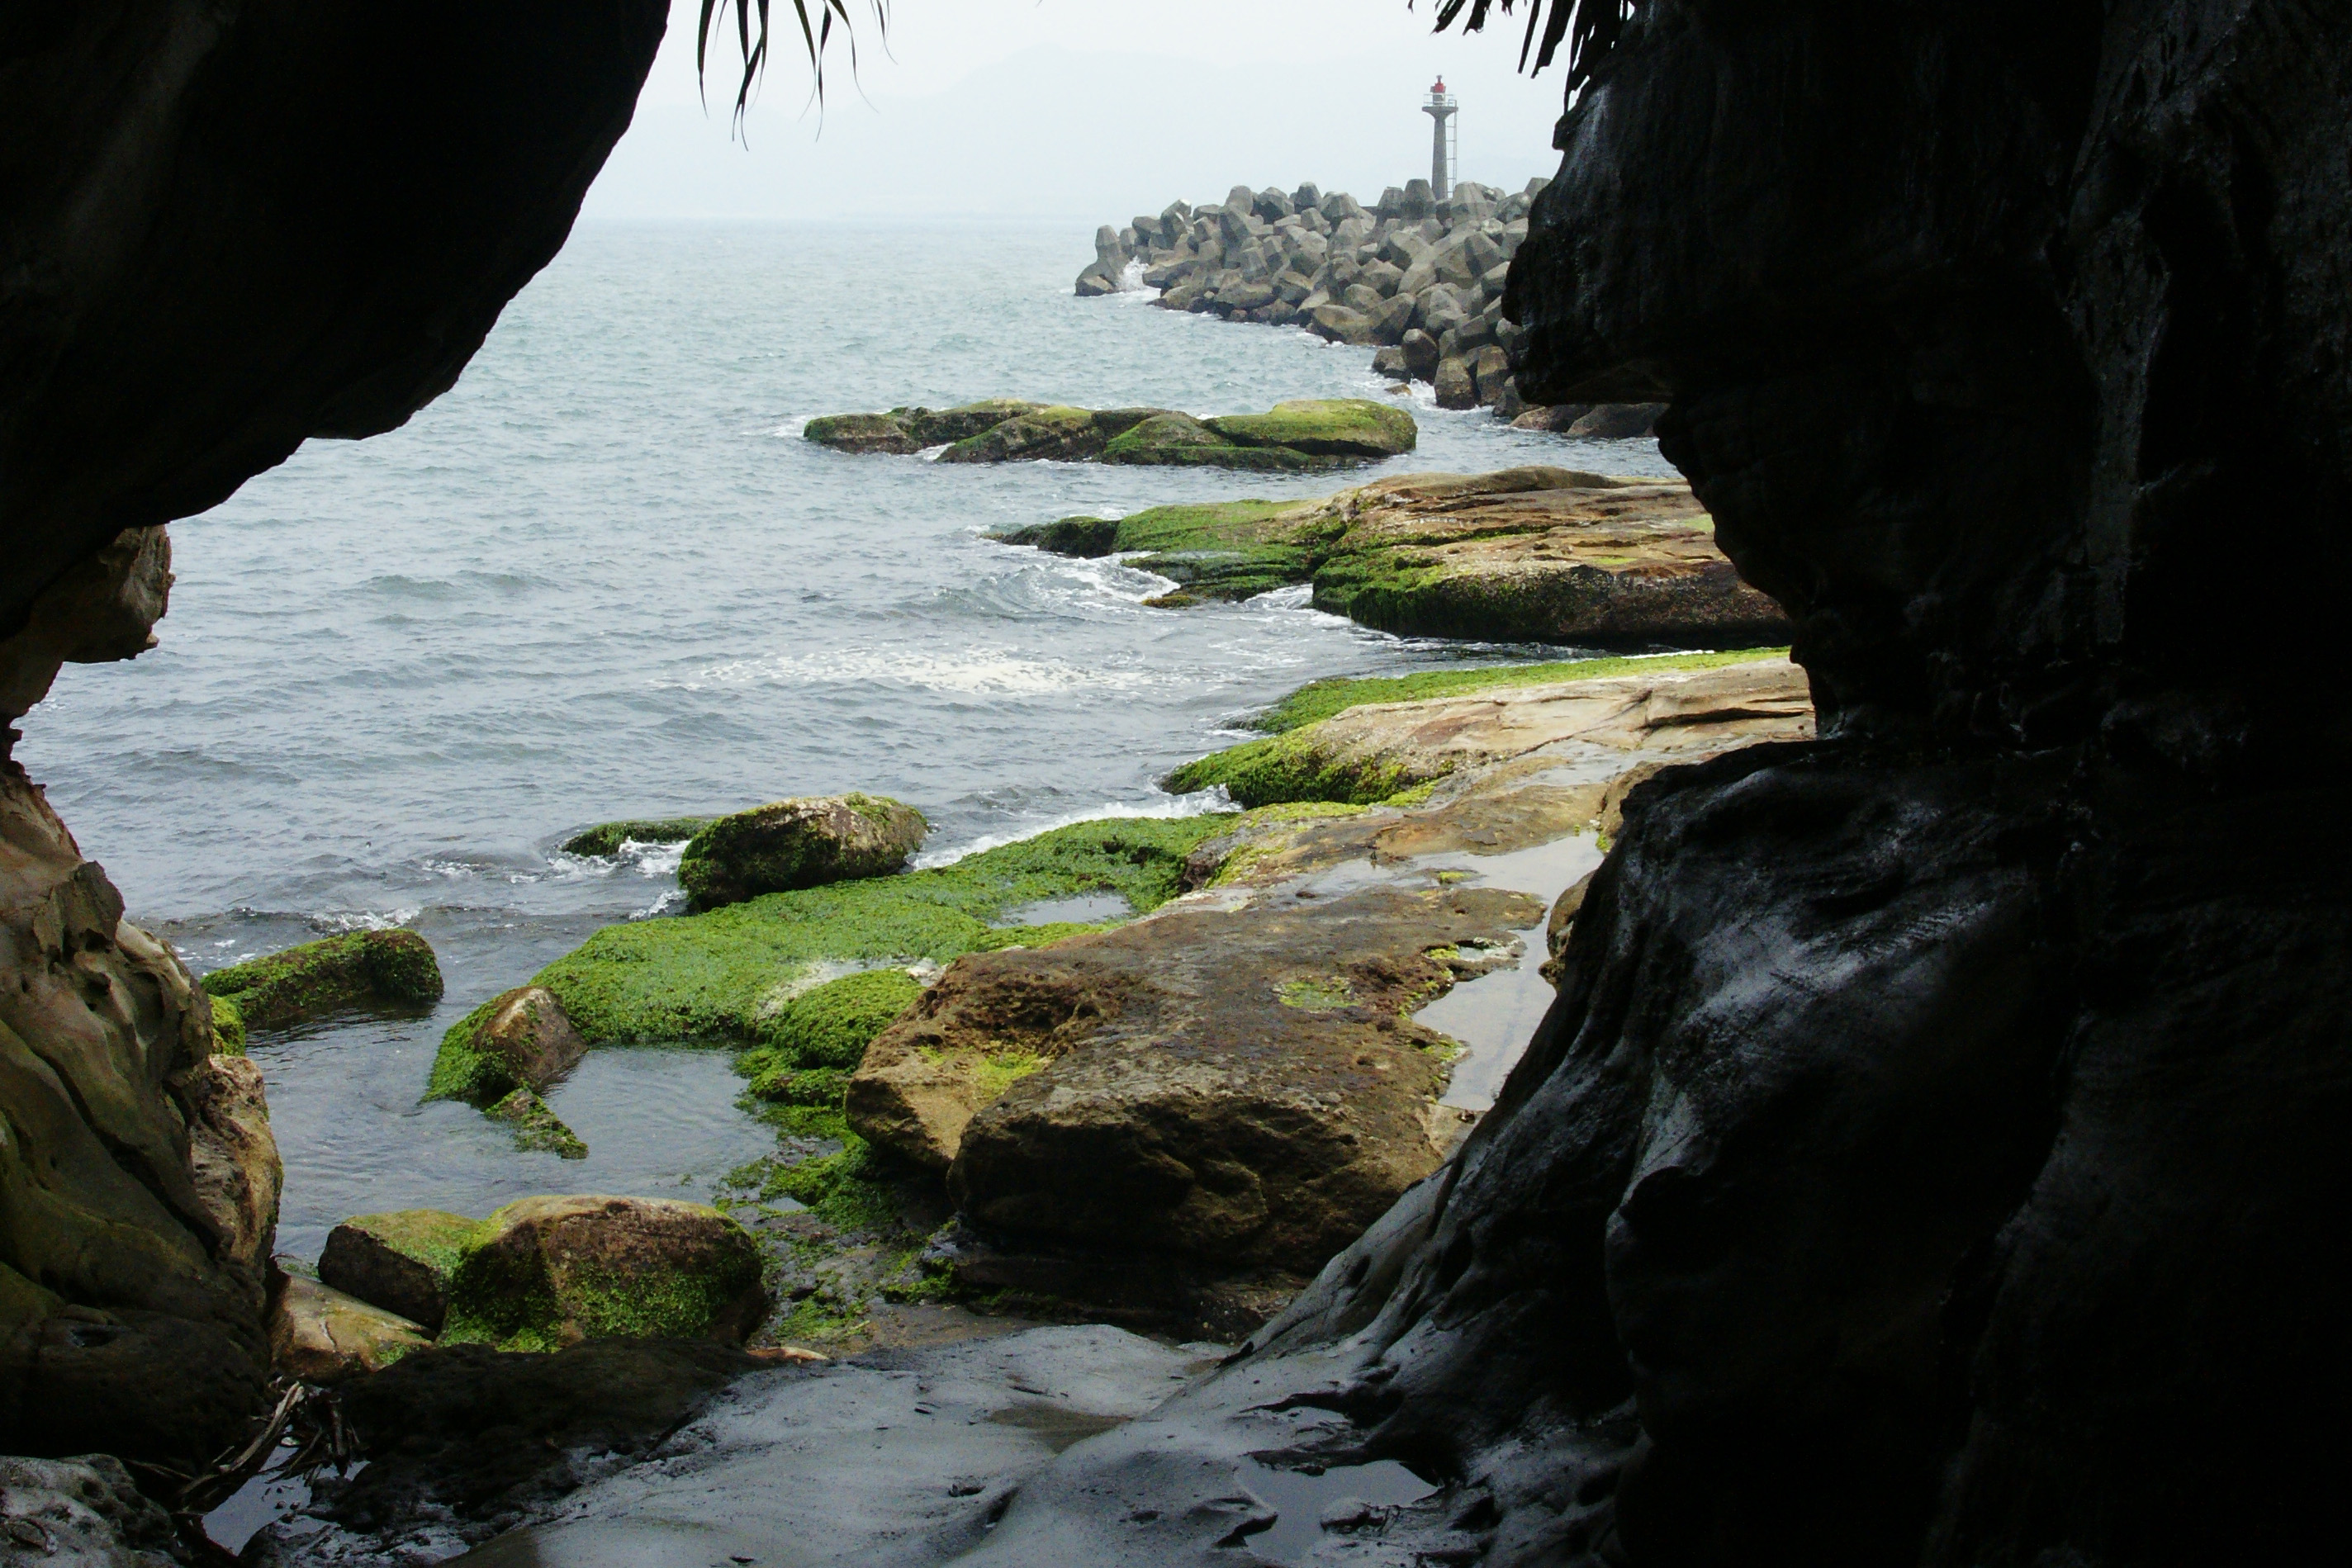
(1294, 766)
(229, 1026)
(1319, 700)
(393, 969)
(461, 1071)
(780, 846)
(606, 838)
(431, 1236)
(726, 976)
(504, 1296)
(1220, 550)
(830, 1026)
(537, 1126)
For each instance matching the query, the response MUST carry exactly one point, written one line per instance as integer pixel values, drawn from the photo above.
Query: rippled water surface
(605, 577)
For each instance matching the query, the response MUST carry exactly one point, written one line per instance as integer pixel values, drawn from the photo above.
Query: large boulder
(1236, 1087)
(319, 1335)
(909, 429)
(400, 1261)
(545, 1272)
(1618, 421)
(364, 968)
(801, 843)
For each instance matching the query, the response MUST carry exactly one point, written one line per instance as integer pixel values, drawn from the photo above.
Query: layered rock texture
(1524, 555)
(217, 241)
(1306, 433)
(1922, 1160)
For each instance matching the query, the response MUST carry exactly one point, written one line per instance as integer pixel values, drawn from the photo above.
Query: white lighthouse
(1443, 146)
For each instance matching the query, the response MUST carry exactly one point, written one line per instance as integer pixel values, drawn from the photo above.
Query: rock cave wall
(224, 228)
(1924, 1158)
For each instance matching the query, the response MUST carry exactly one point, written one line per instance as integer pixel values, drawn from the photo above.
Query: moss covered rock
(386, 968)
(805, 843)
(905, 430)
(546, 1273)
(400, 1261)
(728, 976)
(1178, 440)
(1220, 550)
(517, 1040)
(319, 1334)
(829, 1026)
(606, 838)
(1060, 433)
(1325, 427)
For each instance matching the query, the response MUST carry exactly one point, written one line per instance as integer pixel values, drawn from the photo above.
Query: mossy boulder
(517, 1040)
(799, 843)
(386, 968)
(546, 1273)
(1325, 427)
(400, 1261)
(319, 1334)
(606, 838)
(1220, 550)
(1178, 439)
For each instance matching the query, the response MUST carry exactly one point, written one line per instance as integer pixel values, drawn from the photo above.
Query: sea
(605, 576)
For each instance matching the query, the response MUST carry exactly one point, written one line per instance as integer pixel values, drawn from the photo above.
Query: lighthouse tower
(1443, 146)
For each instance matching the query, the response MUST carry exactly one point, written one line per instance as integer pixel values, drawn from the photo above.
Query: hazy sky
(1078, 109)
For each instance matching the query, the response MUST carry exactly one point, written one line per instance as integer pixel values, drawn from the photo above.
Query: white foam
(1200, 803)
(972, 671)
(363, 920)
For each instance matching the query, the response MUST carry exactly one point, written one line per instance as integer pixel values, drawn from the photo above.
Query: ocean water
(605, 577)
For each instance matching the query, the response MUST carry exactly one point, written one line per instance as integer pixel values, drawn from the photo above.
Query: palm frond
(817, 37)
(1591, 28)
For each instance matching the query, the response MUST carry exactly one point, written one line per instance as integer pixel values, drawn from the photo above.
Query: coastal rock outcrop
(365, 969)
(1532, 554)
(517, 1040)
(797, 843)
(82, 1512)
(545, 1272)
(1302, 435)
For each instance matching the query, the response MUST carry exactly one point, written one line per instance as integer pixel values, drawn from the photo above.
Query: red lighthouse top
(1440, 89)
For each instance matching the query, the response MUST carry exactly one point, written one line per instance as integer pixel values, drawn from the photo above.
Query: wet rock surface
(319, 1335)
(400, 1261)
(899, 1458)
(1542, 555)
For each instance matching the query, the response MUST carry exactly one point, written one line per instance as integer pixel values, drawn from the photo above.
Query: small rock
(399, 1262)
(1491, 372)
(546, 1273)
(1456, 387)
(799, 843)
(606, 838)
(1421, 355)
(321, 1336)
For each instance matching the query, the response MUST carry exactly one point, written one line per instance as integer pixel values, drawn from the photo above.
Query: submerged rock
(400, 1261)
(799, 843)
(386, 968)
(545, 1272)
(606, 838)
(1310, 433)
(537, 1127)
(319, 1335)
(83, 1512)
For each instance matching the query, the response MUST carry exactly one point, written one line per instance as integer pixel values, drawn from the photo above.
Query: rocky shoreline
(1421, 280)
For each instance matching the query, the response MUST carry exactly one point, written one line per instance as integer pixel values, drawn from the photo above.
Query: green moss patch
(1293, 767)
(729, 977)
(228, 1027)
(1223, 550)
(831, 1025)
(394, 968)
(537, 1126)
(1326, 428)
(606, 838)
(1319, 700)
